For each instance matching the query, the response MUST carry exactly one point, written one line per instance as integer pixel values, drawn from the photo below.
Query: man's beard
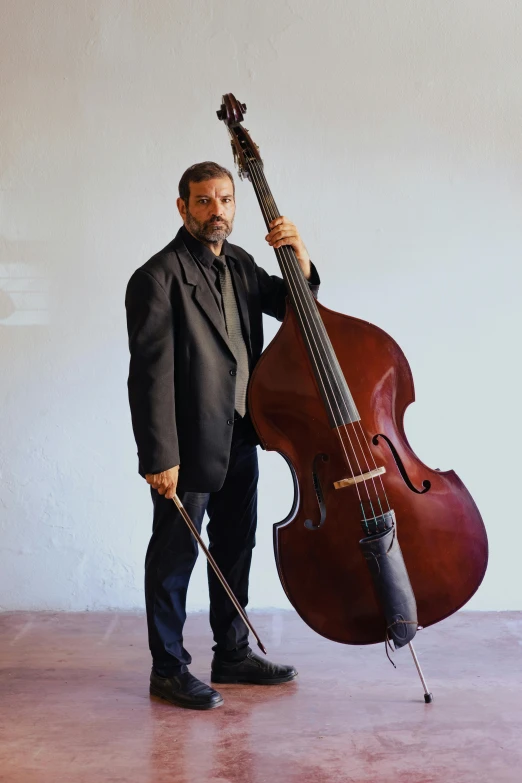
(209, 231)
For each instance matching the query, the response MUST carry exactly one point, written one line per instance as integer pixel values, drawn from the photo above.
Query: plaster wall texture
(391, 135)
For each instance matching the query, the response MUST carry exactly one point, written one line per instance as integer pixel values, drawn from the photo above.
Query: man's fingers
(283, 227)
(285, 241)
(277, 221)
(289, 236)
(164, 483)
(168, 490)
(282, 231)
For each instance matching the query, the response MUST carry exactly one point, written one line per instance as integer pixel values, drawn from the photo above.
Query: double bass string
(308, 299)
(356, 424)
(343, 426)
(299, 283)
(288, 263)
(265, 208)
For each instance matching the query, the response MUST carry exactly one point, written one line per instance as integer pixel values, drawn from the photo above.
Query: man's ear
(182, 208)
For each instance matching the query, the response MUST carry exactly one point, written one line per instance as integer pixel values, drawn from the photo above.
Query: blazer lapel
(201, 293)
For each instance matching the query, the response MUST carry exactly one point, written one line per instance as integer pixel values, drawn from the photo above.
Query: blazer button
(233, 372)
(230, 421)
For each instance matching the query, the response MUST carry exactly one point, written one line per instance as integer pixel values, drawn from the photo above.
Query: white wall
(391, 133)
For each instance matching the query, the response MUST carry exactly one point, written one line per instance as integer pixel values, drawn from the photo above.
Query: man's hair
(200, 172)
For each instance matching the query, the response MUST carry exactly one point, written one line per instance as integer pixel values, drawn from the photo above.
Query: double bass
(329, 394)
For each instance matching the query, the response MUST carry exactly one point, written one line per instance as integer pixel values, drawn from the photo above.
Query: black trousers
(172, 553)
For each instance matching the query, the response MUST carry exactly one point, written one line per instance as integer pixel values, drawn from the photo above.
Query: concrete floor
(74, 706)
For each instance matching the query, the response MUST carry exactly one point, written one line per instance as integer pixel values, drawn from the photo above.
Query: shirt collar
(203, 253)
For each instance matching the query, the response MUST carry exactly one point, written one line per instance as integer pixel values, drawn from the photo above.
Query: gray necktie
(235, 335)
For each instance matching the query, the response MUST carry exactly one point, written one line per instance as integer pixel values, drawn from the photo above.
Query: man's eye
(227, 200)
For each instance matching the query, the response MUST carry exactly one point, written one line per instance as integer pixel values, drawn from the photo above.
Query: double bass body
(440, 529)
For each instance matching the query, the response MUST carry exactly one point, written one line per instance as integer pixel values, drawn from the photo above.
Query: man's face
(209, 215)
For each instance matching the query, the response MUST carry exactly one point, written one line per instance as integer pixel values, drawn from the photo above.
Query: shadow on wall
(7, 306)
(24, 290)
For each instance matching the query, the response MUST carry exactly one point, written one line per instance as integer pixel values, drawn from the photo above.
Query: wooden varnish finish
(323, 572)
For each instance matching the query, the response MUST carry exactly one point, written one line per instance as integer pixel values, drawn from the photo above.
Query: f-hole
(426, 484)
(319, 493)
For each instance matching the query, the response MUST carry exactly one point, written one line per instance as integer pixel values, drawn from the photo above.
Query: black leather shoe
(185, 690)
(252, 669)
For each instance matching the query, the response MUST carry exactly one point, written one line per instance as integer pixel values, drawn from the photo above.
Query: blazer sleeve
(272, 289)
(150, 327)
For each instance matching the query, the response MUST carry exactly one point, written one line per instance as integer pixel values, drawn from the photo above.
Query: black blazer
(181, 383)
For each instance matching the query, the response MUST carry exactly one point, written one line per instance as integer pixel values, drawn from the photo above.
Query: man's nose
(218, 208)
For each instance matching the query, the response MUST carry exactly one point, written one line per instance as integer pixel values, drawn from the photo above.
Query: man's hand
(165, 482)
(284, 232)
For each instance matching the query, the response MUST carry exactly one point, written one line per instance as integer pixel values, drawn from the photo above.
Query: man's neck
(216, 249)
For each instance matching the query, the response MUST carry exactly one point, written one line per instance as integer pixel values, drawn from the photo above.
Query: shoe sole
(224, 680)
(211, 706)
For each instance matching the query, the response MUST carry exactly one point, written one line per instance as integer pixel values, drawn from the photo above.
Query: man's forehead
(212, 187)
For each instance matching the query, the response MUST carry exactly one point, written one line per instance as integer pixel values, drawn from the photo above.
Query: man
(194, 318)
